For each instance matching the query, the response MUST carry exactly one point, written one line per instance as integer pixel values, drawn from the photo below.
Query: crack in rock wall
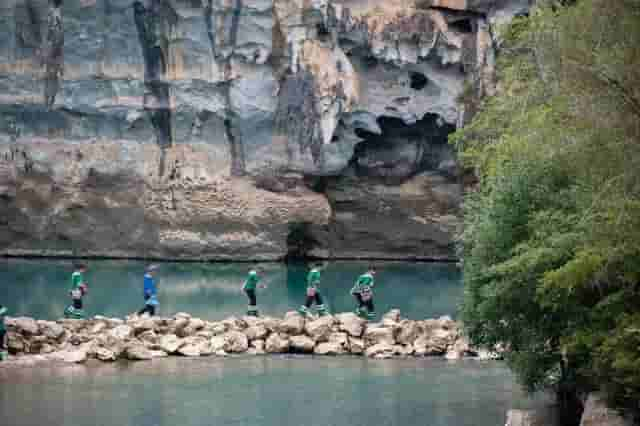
(234, 129)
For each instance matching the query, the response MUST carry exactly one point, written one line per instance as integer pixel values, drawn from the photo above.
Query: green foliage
(551, 245)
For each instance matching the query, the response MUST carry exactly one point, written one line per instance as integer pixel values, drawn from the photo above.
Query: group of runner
(362, 292)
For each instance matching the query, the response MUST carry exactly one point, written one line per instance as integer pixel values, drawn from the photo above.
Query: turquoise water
(39, 288)
(262, 391)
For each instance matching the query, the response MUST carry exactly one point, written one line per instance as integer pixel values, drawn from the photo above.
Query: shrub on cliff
(551, 245)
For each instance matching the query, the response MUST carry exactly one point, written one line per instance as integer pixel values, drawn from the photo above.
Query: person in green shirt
(313, 292)
(249, 287)
(3, 334)
(362, 291)
(78, 290)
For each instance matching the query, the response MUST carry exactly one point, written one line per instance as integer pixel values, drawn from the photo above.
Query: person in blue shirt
(150, 292)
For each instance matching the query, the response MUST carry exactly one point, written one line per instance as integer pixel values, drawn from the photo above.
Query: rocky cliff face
(236, 129)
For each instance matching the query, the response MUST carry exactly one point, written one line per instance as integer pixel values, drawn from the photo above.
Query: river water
(39, 288)
(248, 391)
(263, 391)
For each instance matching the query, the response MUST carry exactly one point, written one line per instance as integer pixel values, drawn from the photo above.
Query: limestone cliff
(235, 129)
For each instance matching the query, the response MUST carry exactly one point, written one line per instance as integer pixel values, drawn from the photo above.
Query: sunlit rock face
(236, 129)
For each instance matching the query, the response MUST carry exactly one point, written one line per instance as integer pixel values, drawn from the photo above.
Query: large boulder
(149, 337)
(328, 348)
(217, 344)
(277, 343)
(51, 330)
(351, 323)
(194, 347)
(76, 356)
(340, 339)
(136, 351)
(121, 332)
(97, 328)
(391, 317)
(292, 324)
(235, 342)
(235, 324)
(301, 343)
(23, 325)
(257, 347)
(356, 346)
(409, 332)
(170, 343)
(104, 354)
(16, 342)
(403, 350)
(256, 332)
(217, 328)
(320, 328)
(194, 325)
(434, 342)
(380, 350)
(140, 325)
(271, 324)
(375, 335)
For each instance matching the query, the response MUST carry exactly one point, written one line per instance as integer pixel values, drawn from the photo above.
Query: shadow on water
(39, 288)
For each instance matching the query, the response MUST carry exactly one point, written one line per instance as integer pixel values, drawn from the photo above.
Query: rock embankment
(142, 338)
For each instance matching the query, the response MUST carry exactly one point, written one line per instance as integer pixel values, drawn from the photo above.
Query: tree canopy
(551, 246)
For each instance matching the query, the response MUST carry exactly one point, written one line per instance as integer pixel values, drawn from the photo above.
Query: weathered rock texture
(237, 129)
(141, 338)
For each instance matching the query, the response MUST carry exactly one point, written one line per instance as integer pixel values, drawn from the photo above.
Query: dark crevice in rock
(28, 31)
(208, 21)
(233, 132)
(417, 80)
(297, 118)
(448, 11)
(235, 144)
(150, 23)
(53, 52)
(223, 44)
(465, 26)
(404, 150)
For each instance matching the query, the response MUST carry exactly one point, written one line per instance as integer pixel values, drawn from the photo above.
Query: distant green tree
(551, 245)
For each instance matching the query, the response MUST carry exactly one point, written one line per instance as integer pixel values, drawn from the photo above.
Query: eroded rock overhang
(205, 128)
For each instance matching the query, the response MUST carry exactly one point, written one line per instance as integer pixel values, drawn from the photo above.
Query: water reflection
(39, 287)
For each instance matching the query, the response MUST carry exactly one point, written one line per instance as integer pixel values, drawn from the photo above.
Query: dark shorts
(315, 298)
(368, 303)
(2, 334)
(251, 295)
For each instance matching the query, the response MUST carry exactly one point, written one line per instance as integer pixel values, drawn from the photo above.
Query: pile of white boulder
(144, 338)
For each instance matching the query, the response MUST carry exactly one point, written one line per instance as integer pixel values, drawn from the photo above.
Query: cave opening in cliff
(403, 150)
(417, 80)
(299, 241)
(464, 26)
